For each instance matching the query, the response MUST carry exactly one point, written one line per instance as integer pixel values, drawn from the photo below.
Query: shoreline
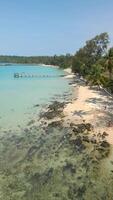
(88, 105)
(84, 104)
(91, 106)
(34, 64)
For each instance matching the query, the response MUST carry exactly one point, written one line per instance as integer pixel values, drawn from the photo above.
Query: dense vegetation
(63, 60)
(95, 61)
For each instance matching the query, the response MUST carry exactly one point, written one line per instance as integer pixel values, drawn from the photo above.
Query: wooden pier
(24, 75)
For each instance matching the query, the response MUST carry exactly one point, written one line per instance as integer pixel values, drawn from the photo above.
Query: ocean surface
(18, 96)
(47, 164)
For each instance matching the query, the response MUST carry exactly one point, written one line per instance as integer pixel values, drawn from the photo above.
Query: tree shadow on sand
(81, 113)
(104, 120)
(95, 101)
(101, 92)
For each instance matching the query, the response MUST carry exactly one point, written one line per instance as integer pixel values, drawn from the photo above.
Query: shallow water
(39, 164)
(53, 163)
(18, 96)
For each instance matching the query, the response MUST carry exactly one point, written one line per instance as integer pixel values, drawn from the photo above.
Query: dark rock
(78, 143)
(76, 131)
(26, 130)
(69, 167)
(56, 105)
(81, 190)
(88, 126)
(86, 139)
(31, 122)
(72, 191)
(56, 195)
(19, 141)
(72, 124)
(43, 178)
(93, 140)
(31, 152)
(37, 105)
(50, 114)
(79, 177)
(81, 128)
(54, 110)
(105, 144)
(54, 124)
(76, 192)
(105, 134)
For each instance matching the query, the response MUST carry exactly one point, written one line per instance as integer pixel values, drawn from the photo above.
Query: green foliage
(94, 62)
(95, 75)
(109, 85)
(77, 65)
(63, 61)
(109, 62)
(90, 54)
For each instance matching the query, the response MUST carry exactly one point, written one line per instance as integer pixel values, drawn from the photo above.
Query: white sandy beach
(90, 106)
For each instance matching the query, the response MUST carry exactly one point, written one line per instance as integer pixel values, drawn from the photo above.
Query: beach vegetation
(109, 63)
(92, 52)
(95, 62)
(63, 61)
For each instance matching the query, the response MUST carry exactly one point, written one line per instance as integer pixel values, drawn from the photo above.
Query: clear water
(18, 96)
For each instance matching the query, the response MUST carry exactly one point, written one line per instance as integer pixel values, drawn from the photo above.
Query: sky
(49, 27)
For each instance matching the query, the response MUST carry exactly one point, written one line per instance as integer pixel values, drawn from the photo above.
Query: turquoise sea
(52, 163)
(18, 96)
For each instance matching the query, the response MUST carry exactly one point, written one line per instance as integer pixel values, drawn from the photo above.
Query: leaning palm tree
(109, 63)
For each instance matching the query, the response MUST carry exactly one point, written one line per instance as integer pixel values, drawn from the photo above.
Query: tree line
(95, 61)
(62, 61)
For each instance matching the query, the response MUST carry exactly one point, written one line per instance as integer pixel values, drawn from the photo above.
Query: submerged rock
(54, 110)
(56, 105)
(43, 178)
(89, 127)
(31, 122)
(59, 165)
(105, 144)
(69, 167)
(50, 114)
(37, 105)
(31, 152)
(81, 128)
(86, 139)
(78, 144)
(55, 124)
(77, 192)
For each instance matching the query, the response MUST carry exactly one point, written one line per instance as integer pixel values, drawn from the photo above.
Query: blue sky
(48, 27)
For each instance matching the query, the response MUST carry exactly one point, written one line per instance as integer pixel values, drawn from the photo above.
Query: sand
(68, 70)
(94, 106)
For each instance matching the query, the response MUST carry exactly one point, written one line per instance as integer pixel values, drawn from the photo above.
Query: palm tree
(109, 63)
